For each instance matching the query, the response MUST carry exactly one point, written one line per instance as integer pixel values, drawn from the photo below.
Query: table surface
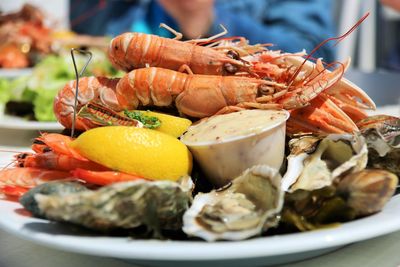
(382, 251)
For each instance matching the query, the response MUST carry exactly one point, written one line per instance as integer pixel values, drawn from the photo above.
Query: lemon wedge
(143, 152)
(171, 125)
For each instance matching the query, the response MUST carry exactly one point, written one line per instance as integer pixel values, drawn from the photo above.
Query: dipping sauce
(233, 125)
(226, 145)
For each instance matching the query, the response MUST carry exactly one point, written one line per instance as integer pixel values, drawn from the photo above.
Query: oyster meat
(156, 205)
(246, 207)
(315, 162)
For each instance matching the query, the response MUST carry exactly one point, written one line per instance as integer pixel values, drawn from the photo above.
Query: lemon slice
(143, 152)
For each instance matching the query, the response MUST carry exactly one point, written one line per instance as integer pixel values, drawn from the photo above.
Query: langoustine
(193, 95)
(130, 51)
(321, 101)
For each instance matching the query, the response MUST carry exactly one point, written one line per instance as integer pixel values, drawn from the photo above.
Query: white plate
(17, 123)
(254, 252)
(258, 251)
(15, 73)
(393, 110)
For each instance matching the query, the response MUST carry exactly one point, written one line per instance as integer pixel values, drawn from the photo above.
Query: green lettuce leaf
(49, 76)
(5, 91)
(43, 105)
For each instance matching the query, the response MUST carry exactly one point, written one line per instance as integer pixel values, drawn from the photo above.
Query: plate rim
(21, 124)
(157, 250)
(11, 73)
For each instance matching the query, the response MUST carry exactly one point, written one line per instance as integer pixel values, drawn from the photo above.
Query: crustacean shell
(243, 208)
(315, 162)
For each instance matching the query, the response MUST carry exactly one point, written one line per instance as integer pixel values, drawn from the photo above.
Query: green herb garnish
(148, 121)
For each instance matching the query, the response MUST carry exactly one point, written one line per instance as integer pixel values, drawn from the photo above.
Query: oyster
(241, 209)
(58, 188)
(156, 205)
(309, 210)
(368, 191)
(356, 194)
(315, 162)
(382, 134)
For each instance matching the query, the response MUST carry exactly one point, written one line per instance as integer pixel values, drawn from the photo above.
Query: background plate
(18, 123)
(15, 73)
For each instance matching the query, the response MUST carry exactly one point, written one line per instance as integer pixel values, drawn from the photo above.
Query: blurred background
(373, 46)
(376, 44)
(39, 62)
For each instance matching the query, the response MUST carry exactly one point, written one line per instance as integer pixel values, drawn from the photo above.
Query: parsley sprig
(148, 121)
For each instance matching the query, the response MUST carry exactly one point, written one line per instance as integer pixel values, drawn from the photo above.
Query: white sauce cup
(224, 160)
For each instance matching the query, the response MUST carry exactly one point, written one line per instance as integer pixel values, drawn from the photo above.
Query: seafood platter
(209, 140)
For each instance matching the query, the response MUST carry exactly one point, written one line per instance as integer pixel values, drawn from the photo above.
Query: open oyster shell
(367, 191)
(241, 209)
(356, 194)
(315, 162)
(156, 205)
(382, 134)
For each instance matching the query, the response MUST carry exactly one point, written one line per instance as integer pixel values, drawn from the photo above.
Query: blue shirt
(291, 25)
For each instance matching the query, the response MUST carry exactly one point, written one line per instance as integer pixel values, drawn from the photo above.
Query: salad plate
(18, 123)
(392, 110)
(15, 73)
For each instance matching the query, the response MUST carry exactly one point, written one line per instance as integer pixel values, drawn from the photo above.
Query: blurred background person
(395, 4)
(291, 25)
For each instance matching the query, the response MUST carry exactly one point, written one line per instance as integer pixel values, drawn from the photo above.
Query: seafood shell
(127, 205)
(58, 188)
(368, 191)
(382, 134)
(315, 162)
(243, 208)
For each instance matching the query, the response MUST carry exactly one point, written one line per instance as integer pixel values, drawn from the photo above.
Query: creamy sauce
(229, 126)
(226, 145)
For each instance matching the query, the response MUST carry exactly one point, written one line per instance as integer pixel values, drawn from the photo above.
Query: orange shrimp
(29, 177)
(103, 177)
(53, 161)
(14, 182)
(58, 143)
(13, 192)
(130, 51)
